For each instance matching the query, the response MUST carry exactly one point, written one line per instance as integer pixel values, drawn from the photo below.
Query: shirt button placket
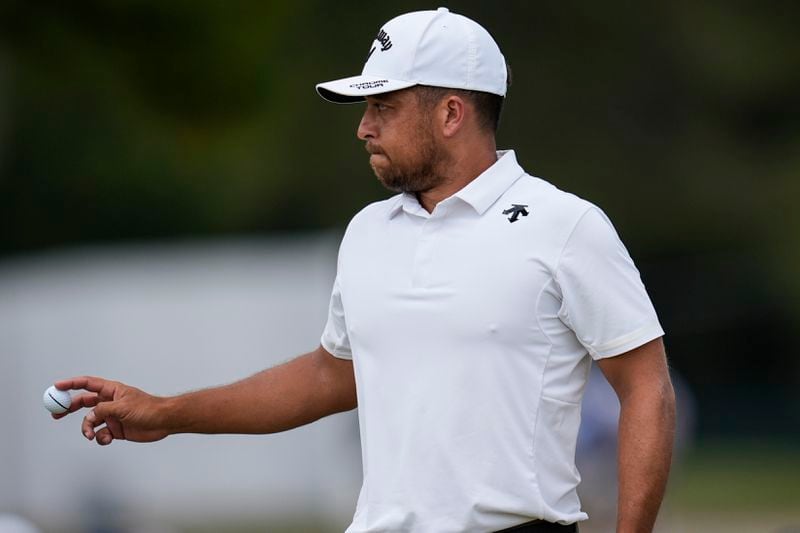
(424, 257)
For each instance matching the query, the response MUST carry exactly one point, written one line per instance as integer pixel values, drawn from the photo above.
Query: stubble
(419, 173)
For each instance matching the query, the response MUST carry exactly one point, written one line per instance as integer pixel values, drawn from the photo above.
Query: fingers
(103, 387)
(90, 421)
(104, 437)
(100, 423)
(102, 414)
(102, 390)
(115, 427)
(79, 402)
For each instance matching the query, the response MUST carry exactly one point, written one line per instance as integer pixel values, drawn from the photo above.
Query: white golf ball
(57, 401)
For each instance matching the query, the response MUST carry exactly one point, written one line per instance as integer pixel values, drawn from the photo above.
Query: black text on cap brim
(354, 89)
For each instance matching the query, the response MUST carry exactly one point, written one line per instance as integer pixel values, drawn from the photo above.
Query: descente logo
(384, 39)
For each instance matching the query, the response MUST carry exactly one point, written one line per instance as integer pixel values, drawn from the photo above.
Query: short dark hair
(488, 106)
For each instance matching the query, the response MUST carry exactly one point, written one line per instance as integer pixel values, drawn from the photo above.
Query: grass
(749, 476)
(716, 487)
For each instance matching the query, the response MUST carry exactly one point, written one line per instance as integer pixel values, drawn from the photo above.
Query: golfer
(464, 319)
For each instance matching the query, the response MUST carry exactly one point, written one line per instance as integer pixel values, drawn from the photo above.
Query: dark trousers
(540, 526)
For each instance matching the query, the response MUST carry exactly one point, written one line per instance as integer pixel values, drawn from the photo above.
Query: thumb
(109, 409)
(98, 416)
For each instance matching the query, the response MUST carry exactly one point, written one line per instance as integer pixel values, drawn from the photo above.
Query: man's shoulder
(548, 199)
(376, 210)
(372, 214)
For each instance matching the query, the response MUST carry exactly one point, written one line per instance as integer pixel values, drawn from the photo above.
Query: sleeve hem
(336, 352)
(627, 342)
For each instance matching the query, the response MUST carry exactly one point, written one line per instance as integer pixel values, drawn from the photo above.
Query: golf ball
(57, 401)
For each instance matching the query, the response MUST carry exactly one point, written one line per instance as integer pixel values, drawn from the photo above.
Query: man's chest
(464, 276)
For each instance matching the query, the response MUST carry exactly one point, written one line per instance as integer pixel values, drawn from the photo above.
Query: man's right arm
(293, 394)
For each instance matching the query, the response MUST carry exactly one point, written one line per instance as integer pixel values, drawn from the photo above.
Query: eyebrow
(387, 98)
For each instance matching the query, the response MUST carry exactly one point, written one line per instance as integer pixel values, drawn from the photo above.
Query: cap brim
(353, 89)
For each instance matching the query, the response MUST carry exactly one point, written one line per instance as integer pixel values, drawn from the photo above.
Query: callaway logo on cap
(436, 48)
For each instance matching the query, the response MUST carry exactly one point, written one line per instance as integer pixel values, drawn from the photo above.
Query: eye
(379, 106)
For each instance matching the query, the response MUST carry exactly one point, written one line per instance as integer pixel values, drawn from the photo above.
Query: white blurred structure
(10, 523)
(167, 318)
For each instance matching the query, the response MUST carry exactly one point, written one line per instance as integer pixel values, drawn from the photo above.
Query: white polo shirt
(470, 331)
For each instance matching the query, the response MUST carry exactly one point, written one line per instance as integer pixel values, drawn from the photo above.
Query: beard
(418, 173)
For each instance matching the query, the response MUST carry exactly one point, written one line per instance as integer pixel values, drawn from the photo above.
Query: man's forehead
(392, 96)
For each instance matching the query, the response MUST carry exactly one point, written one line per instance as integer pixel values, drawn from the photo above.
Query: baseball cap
(436, 48)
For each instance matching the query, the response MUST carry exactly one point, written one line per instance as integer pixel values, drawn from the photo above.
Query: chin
(389, 185)
(381, 172)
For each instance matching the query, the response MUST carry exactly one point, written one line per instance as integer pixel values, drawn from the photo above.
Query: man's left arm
(641, 380)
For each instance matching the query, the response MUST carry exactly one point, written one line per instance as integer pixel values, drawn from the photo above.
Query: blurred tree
(144, 119)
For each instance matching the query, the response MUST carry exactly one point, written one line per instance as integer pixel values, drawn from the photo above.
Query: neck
(462, 167)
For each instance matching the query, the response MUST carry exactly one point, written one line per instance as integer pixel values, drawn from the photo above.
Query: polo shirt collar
(407, 202)
(480, 193)
(484, 190)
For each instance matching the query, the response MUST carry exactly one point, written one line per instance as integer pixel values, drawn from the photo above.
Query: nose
(366, 128)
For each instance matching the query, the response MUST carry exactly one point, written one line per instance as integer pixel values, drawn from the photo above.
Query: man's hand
(124, 412)
(305, 389)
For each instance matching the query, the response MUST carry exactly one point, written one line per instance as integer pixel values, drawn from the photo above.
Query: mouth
(376, 155)
(378, 161)
(373, 150)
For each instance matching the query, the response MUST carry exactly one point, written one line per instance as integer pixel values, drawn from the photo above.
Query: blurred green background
(141, 120)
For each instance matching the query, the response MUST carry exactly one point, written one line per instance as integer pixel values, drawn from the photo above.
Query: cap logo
(366, 85)
(385, 41)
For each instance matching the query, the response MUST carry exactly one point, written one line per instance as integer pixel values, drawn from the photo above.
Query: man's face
(404, 153)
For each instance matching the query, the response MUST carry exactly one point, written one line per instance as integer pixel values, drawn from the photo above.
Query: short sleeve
(334, 336)
(604, 301)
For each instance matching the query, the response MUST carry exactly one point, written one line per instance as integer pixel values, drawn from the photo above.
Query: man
(464, 317)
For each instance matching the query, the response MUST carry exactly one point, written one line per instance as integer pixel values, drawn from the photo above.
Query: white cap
(436, 48)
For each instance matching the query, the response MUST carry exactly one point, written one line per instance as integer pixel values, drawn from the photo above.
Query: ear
(453, 113)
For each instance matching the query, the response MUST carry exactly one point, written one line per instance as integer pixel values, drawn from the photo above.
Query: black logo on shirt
(515, 211)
